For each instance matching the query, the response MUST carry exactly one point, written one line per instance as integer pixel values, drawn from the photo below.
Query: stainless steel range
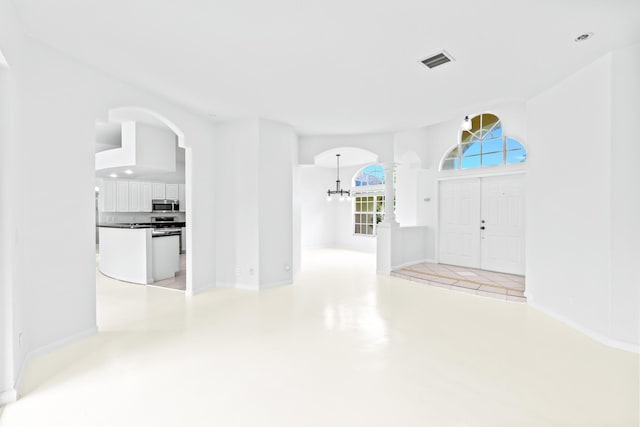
(165, 226)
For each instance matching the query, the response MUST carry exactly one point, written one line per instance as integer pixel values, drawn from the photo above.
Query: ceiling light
(97, 189)
(466, 124)
(583, 37)
(128, 171)
(113, 175)
(338, 190)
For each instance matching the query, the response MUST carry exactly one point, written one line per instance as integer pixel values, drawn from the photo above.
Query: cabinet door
(182, 197)
(145, 196)
(158, 190)
(110, 190)
(101, 194)
(134, 196)
(122, 201)
(171, 191)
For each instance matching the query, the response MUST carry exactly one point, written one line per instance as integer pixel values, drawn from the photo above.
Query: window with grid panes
(368, 212)
(484, 145)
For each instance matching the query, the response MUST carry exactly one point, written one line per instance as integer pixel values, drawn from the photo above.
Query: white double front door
(482, 223)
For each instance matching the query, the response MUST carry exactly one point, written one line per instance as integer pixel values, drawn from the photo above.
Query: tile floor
(340, 347)
(508, 287)
(179, 282)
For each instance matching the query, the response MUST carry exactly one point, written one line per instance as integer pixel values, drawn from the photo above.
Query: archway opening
(143, 187)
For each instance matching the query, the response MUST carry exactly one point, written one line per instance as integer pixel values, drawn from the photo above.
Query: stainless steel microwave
(163, 205)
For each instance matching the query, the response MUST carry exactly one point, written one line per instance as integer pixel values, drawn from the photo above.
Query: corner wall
(581, 199)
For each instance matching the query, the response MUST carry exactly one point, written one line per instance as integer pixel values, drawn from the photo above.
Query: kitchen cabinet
(107, 196)
(159, 190)
(182, 198)
(122, 198)
(134, 196)
(171, 191)
(146, 196)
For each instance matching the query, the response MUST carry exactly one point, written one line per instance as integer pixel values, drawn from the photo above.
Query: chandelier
(338, 190)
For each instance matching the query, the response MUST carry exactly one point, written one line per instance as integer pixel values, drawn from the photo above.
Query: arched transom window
(483, 145)
(371, 175)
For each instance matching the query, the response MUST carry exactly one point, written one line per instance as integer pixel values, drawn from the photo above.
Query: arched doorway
(161, 185)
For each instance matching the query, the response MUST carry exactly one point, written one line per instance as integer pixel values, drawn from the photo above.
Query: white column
(388, 243)
(389, 214)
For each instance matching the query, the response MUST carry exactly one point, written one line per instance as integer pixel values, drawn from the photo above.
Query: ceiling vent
(437, 59)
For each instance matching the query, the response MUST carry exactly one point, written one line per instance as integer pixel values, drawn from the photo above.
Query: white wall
(329, 224)
(318, 218)
(582, 199)
(254, 166)
(155, 148)
(6, 295)
(237, 190)
(380, 144)
(625, 196)
(53, 153)
(277, 161)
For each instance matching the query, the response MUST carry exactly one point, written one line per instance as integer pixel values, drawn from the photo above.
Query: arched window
(483, 145)
(369, 176)
(368, 200)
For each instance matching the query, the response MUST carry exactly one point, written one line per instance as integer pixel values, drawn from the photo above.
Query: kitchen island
(132, 253)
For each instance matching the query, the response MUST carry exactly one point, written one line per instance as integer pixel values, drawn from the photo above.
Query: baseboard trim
(602, 339)
(8, 396)
(48, 349)
(275, 284)
(406, 264)
(63, 342)
(201, 290)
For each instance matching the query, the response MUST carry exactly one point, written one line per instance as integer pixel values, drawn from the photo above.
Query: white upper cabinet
(122, 201)
(107, 197)
(145, 196)
(182, 198)
(159, 190)
(171, 191)
(134, 196)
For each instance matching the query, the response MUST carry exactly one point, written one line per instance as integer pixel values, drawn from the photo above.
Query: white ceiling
(336, 66)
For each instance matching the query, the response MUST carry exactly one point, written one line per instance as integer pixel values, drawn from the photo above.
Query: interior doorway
(481, 223)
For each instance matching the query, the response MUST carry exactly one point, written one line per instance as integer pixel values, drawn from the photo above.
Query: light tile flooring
(491, 284)
(179, 282)
(340, 347)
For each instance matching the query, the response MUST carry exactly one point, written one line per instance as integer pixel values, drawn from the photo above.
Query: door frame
(459, 176)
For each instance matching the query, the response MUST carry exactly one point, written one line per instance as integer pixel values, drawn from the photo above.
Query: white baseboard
(202, 289)
(8, 396)
(275, 284)
(62, 342)
(224, 285)
(603, 339)
(48, 349)
(246, 287)
(407, 264)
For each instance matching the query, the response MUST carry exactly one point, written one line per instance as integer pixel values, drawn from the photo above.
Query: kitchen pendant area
(141, 204)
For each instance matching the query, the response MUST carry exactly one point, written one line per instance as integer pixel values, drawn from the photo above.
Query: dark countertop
(142, 224)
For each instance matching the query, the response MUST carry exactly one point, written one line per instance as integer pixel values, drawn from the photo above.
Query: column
(388, 243)
(389, 214)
